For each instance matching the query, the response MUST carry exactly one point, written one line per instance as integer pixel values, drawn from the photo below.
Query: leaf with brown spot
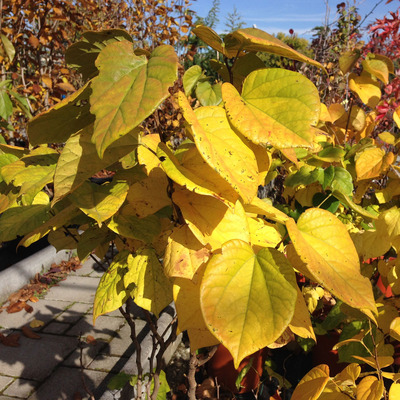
(16, 307)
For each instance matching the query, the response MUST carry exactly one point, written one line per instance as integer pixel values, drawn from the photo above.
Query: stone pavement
(55, 366)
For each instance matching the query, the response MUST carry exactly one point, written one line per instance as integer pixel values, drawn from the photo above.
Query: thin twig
(87, 390)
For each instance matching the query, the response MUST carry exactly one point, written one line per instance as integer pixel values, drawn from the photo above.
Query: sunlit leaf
(209, 94)
(262, 233)
(348, 60)
(301, 322)
(79, 160)
(235, 285)
(184, 254)
(395, 328)
(394, 391)
(100, 202)
(371, 163)
(191, 77)
(277, 107)
(366, 88)
(111, 293)
(370, 388)
(312, 384)
(212, 221)
(379, 66)
(190, 317)
(226, 152)
(127, 92)
(195, 174)
(325, 247)
(253, 39)
(151, 288)
(83, 54)
(259, 206)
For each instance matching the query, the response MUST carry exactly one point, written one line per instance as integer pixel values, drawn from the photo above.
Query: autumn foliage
(183, 207)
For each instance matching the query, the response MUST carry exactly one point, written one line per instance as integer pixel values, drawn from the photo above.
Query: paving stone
(73, 288)
(35, 359)
(74, 313)
(122, 341)
(89, 268)
(107, 363)
(66, 382)
(4, 381)
(43, 310)
(85, 355)
(21, 388)
(105, 328)
(6, 398)
(56, 328)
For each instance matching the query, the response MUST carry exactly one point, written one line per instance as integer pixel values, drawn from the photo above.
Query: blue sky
(275, 16)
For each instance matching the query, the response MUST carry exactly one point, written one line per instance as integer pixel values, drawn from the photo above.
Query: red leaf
(28, 332)
(11, 340)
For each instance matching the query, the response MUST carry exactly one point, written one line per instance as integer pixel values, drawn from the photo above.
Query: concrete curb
(19, 274)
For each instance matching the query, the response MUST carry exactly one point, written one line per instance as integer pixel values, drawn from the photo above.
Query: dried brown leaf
(28, 332)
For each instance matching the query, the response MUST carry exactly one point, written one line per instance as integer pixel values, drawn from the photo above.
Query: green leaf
(18, 221)
(61, 121)
(111, 293)
(22, 102)
(208, 94)
(305, 176)
(6, 107)
(191, 77)
(151, 290)
(331, 154)
(127, 92)
(277, 107)
(235, 284)
(83, 54)
(6, 159)
(339, 180)
(100, 202)
(129, 225)
(92, 238)
(348, 202)
(8, 47)
(326, 202)
(55, 222)
(79, 160)
(118, 381)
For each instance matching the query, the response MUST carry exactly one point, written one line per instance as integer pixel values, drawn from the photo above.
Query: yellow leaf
(261, 207)
(336, 111)
(312, 384)
(277, 107)
(223, 150)
(150, 288)
(190, 317)
(379, 66)
(396, 116)
(150, 194)
(348, 59)
(195, 174)
(371, 163)
(325, 247)
(370, 389)
(212, 221)
(36, 323)
(386, 315)
(371, 243)
(394, 391)
(348, 375)
(366, 88)
(262, 233)
(395, 328)
(100, 202)
(235, 284)
(301, 323)
(147, 152)
(184, 254)
(380, 362)
(111, 293)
